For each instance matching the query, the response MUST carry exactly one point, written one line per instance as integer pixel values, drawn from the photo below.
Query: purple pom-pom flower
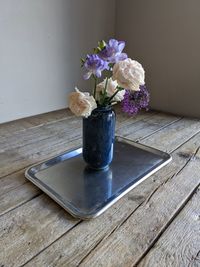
(133, 102)
(113, 51)
(94, 65)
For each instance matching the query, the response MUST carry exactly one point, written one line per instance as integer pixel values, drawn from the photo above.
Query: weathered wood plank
(66, 126)
(15, 190)
(83, 238)
(45, 118)
(147, 126)
(51, 222)
(20, 200)
(12, 181)
(22, 150)
(14, 147)
(24, 233)
(17, 197)
(176, 133)
(180, 243)
(34, 135)
(127, 245)
(123, 120)
(9, 128)
(15, 180)
(13, 160)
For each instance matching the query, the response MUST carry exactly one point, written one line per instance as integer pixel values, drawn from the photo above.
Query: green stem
(106, 86)
(104, 92)
(106, 82)
(118, 90)
(113, 95)
(95, 85)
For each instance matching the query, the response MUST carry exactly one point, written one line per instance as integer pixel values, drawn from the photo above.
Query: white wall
(41, 42)
(165, 36)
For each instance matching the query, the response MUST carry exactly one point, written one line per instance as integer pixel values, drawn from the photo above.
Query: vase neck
(107, 108)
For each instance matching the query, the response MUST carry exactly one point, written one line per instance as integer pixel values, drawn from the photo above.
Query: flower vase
(98, 137)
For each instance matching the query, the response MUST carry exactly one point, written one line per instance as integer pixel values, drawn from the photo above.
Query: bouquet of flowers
(123, 81)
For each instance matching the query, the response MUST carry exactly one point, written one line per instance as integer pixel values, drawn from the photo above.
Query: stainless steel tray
(86, 193)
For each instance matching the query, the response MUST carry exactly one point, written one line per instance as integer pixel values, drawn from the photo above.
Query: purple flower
(113, 51)
(94, 65)
(133, 102)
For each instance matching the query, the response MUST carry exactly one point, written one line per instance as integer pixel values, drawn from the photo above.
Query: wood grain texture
(7, 129)
(180, 244)
(14, 159)
(147, 126)
(87, 235)
(31, 228)
(28, 147)
(37, 231)
(18, 196)
(17, 180)
(127, 244)
(66, 126)
(176, 133)
(34, 135)
(12, 181)
(35, 141)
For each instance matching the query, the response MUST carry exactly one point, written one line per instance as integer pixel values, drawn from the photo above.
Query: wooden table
(157, 224)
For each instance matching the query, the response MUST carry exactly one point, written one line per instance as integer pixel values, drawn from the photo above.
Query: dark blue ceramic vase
(98, 137)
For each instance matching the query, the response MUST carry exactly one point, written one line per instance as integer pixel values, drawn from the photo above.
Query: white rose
(81, 104)
(129, 74)
(111, 89)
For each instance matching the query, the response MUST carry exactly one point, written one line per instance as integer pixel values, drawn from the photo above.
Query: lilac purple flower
(133, 102)
(113, 51)
(94, 65)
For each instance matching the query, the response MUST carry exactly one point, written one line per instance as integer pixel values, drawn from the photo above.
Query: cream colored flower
(81, 104)
(111, 89)
(129, 74)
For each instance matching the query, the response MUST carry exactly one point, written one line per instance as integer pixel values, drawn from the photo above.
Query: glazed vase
(99, 137)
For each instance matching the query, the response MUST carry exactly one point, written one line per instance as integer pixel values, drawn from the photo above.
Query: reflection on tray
(85, 192)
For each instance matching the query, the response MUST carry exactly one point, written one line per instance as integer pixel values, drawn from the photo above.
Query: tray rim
(71, 209)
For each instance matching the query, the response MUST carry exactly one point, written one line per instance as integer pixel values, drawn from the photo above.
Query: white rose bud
(81, 104)
(111, 89)
(129, 74)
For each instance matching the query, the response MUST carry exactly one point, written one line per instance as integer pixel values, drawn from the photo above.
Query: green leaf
(82, 62)
(97, 50)
(120, 88)
(102, 44)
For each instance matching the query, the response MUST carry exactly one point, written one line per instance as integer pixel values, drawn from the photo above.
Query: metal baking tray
(86, 193)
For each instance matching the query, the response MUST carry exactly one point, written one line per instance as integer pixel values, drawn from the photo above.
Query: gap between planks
(54, 139)
(32, 122)
(25, 201)
(179, 210)
(102, 239)
(179, 245)
(129, 231)
(41, 120)
(137, 140)
(145, 202)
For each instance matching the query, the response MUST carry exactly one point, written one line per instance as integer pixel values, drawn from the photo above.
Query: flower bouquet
(123, 81)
